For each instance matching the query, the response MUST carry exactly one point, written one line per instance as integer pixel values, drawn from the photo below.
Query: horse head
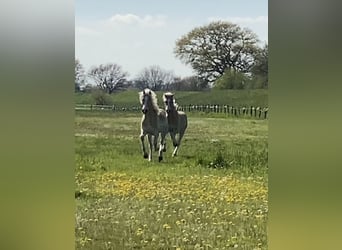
(169, 101)
(146, 97)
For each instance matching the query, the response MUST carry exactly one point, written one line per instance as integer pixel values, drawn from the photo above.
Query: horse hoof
(160, 158)
(145, 156)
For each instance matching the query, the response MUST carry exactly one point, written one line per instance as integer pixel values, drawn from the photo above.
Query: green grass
(213, 195)
(258, 97)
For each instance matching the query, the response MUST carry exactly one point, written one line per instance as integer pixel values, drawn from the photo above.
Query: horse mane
(153, 99)
(168, 94)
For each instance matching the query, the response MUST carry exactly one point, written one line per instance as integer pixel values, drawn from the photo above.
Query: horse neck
(172, 118)
(151, 115)
(152, 107)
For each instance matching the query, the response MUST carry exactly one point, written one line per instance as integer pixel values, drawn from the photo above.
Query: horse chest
(173, 129)
(149, 125)
(173, 122)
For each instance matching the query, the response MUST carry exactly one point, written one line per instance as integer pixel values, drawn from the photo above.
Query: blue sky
(139, 33)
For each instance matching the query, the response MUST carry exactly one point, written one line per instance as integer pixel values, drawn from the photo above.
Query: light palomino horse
(153, 122)
(177, 120)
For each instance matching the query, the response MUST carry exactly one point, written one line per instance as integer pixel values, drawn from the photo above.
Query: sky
(140, 33)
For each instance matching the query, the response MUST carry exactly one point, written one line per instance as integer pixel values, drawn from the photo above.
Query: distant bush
(101, 98)
(232, 80)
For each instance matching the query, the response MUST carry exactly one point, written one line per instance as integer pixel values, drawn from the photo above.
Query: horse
(153, 123)
(177, 120)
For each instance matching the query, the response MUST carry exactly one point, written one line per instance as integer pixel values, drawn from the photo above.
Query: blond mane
(169, 94)
(154, 101)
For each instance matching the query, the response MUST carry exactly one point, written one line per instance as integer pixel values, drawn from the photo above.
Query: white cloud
(132, 41)
(242, 20)
(131, 19)
(79, 30)
(126, 19)
(258, 24)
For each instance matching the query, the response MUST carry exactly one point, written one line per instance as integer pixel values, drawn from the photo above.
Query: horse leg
(181, 134)
(155, 142)
(175, 144)
(162, 146)
(163, 140)
(173, 138)
(151, 146)
(142, 139)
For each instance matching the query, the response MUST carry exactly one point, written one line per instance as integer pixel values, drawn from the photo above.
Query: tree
(213, 48)
(260, 68)
(100, 97)
(88, 88)
(232, 79)
(155, 78)
(189, 83)
(79, 75)
(109, 77)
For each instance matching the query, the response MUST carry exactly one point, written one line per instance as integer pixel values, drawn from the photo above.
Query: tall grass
(212, 196)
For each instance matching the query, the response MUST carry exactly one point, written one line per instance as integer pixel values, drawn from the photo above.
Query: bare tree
(79, 75)
(155, 78)
(109, 77)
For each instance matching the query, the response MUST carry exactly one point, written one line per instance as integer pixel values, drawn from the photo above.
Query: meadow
(213, 195)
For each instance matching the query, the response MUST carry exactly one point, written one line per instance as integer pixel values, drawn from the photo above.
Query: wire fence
(251, 111)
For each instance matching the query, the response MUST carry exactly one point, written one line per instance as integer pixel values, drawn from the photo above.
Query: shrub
(101, 98)
(232, 79)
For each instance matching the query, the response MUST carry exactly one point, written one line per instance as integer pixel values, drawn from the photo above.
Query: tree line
(222, 54)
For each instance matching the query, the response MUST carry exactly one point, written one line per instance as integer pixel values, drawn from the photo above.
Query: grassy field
(213, 195)
(256, 97)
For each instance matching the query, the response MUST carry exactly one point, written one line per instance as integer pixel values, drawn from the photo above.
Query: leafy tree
(232, 79)
(109, 77)
(213, 48)
(155, 78)
(260, 68)
(79, 75)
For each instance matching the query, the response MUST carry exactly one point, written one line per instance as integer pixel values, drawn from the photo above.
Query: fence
(257, 112)
(229, 110)
(105, 107)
